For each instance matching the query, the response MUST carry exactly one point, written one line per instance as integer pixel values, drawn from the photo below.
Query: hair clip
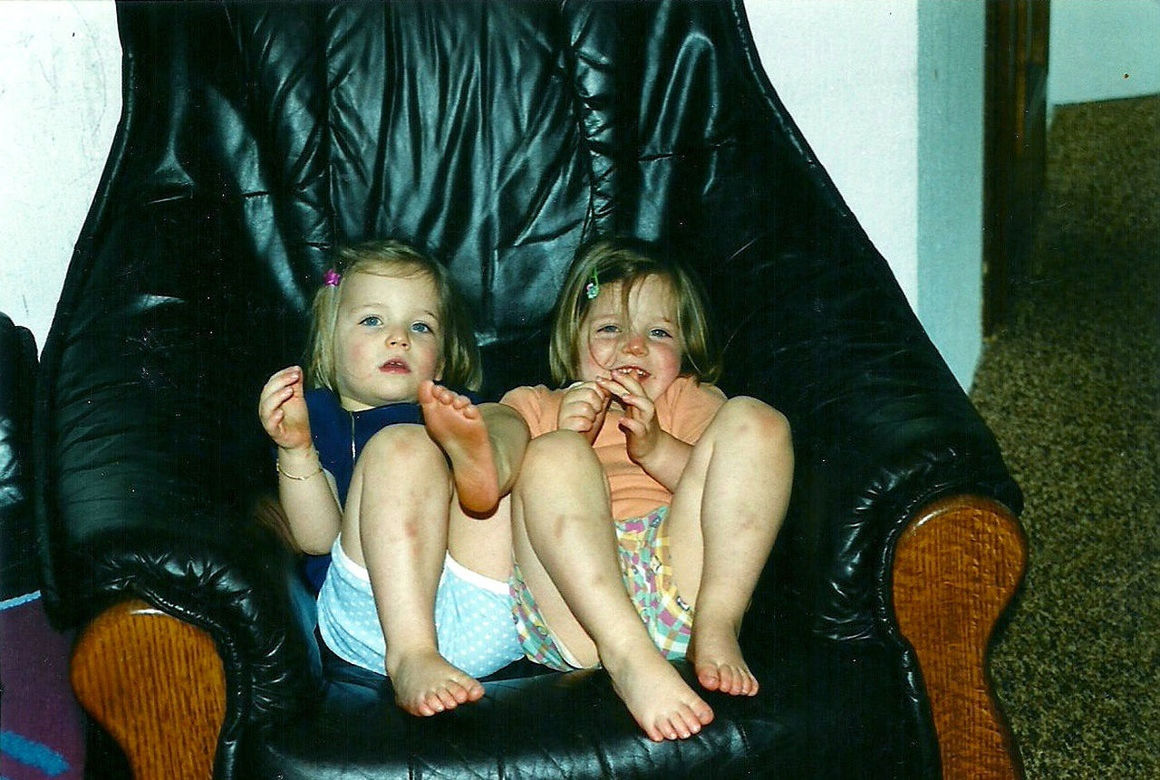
(592, 289)
(331, 278)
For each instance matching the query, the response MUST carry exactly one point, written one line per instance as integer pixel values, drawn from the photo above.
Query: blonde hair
(630, 261)
(459, 352)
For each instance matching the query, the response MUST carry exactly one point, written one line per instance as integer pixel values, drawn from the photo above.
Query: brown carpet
(1072, 389)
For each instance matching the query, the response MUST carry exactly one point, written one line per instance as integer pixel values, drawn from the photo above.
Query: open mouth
(635, 372)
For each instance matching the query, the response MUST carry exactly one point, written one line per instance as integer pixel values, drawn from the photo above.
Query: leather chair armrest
(171, 670)
(881, 428)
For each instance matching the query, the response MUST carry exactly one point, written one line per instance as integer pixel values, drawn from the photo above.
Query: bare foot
(425, 684)
(658, 699)
(457, 426)
(718, 662)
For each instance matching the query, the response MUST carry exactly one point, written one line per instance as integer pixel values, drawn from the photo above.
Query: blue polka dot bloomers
(473, 618)
(643, 548)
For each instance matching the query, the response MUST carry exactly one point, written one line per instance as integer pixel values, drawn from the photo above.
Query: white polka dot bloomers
(473, 618)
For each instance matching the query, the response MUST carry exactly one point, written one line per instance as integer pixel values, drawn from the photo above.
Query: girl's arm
(309, 500)
(666, 461)
(662, 455)
(306, 491)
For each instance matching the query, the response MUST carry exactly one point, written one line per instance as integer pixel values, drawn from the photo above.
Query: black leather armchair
(254, 138)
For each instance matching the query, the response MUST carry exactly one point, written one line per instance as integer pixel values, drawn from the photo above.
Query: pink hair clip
(331, 278)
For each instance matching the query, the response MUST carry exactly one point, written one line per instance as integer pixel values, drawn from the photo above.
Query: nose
(398, 337)
(634, 343)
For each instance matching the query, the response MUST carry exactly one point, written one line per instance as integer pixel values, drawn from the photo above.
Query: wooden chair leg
(156, 684)
(955, 570)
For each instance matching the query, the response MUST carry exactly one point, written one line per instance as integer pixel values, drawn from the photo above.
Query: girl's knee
(400, 447)
(743, 417)
(556, 461)
(751, 428)
(559, 450)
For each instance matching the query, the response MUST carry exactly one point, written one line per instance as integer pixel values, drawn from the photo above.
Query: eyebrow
(377, 305)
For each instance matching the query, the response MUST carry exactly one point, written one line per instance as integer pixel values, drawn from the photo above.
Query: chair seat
(818, 715)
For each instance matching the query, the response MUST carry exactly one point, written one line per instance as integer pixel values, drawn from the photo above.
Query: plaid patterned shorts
(648, 578)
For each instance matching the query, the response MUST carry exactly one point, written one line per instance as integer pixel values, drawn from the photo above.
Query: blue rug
(41, 727)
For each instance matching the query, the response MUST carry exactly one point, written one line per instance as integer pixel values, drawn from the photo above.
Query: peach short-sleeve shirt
(684, 410)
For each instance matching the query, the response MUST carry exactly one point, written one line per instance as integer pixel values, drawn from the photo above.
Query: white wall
(1103, 50)
(951, 93)
(60, 99)
(847, 74)
(890, 97)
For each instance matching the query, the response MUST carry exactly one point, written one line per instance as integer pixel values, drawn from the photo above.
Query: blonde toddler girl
(647, 503)
(417, 589)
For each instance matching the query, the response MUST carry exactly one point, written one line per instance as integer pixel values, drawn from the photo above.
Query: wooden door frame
(1015, 141)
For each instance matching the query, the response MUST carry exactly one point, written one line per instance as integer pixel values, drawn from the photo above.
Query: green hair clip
(592, 289)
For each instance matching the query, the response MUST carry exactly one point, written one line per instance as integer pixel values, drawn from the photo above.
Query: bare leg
(566, 546)
(724, 519)
(395, 524)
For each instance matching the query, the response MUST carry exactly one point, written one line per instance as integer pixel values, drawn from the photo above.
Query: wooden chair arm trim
(956, 569)
(156, 685)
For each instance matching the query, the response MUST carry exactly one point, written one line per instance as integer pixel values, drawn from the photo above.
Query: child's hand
(583, 409)
(282, 410)
(639, 423)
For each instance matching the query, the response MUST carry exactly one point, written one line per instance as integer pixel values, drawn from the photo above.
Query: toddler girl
(416, 589)
(645, 496)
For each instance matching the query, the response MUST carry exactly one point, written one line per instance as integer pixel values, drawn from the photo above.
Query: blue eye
(660, 333)
(421, 327)
(371, 321)
(608, 329)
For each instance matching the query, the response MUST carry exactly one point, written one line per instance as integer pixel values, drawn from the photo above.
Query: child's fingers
(640, 407)
(273, 424)
(630, 392)
(286, 378)
(274, 401)
(586, 398)
(586, 392)
(633, 427)
(576, 423)
(584, 409)
(619, 385)
(623, 391)
(269, 401)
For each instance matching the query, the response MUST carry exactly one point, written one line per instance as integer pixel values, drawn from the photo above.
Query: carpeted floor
(1072, 389)
(41, 730)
